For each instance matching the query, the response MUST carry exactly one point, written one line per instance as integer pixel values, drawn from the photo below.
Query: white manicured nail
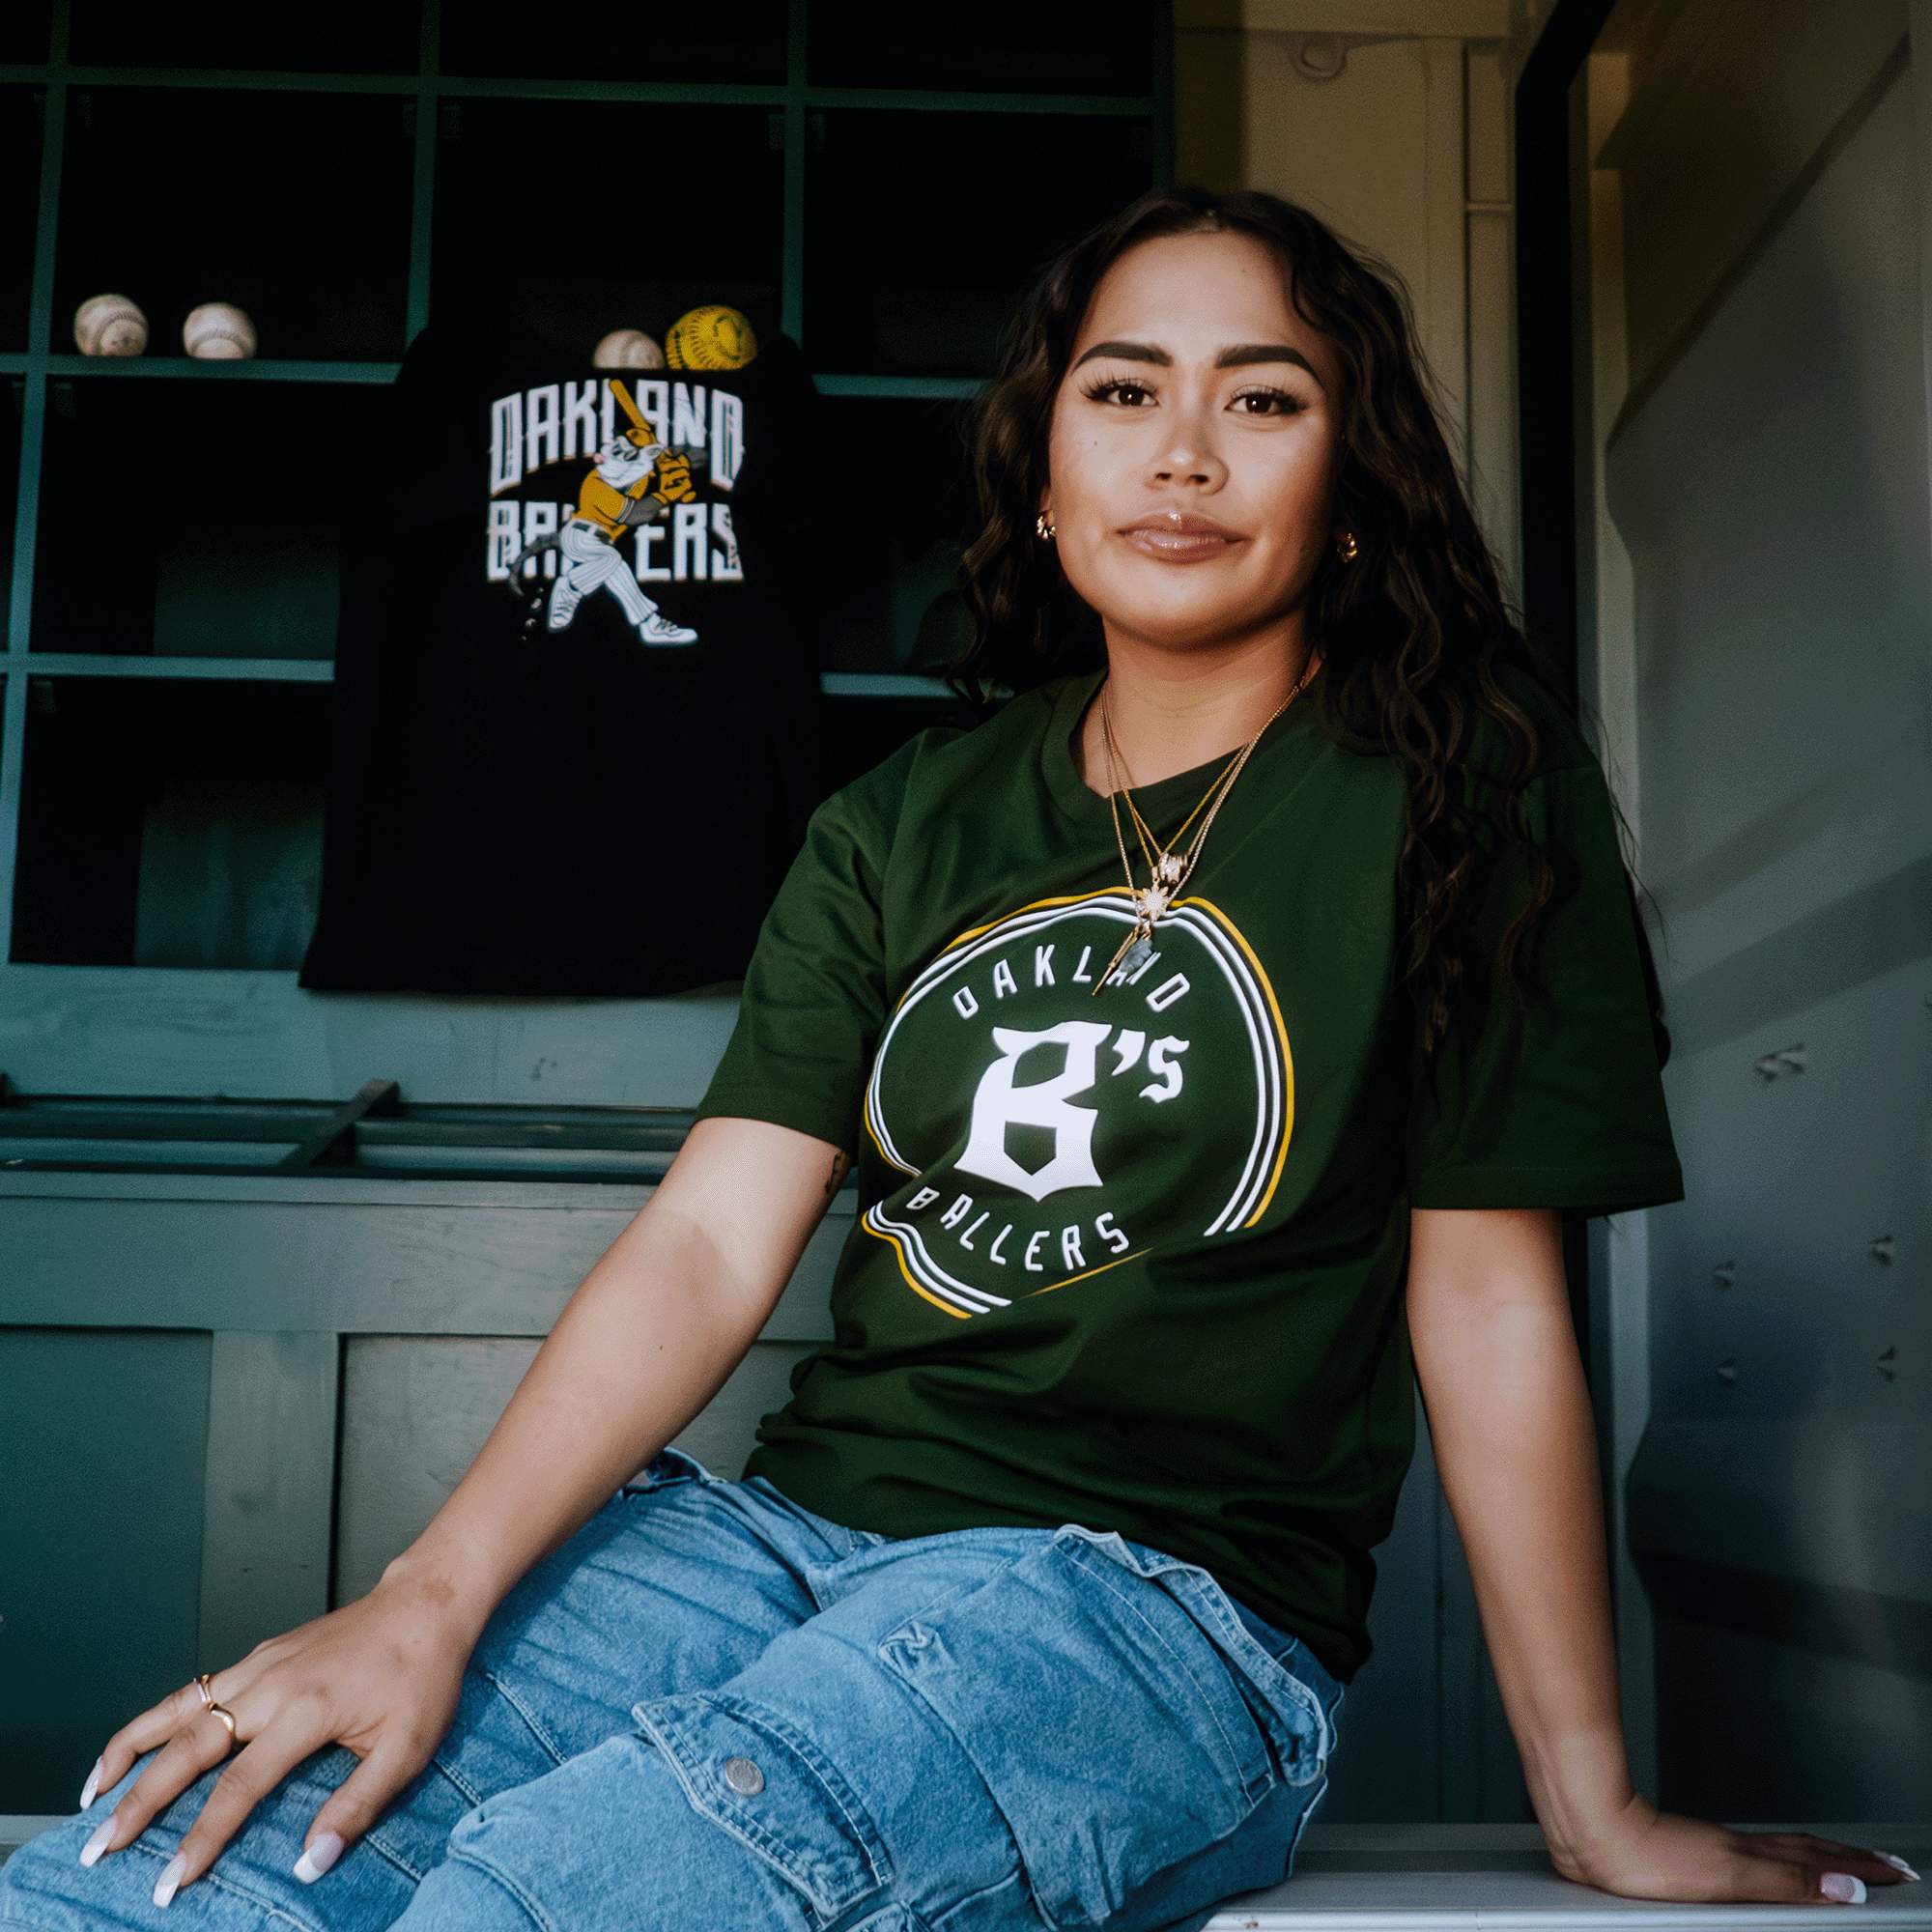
(1897, 1864)
(318, 1858)
(170, 1881)
(1843, 1886)
(91, 1852)
(92, 1786)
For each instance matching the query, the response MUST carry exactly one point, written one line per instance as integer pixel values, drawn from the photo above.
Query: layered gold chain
(1169, 868)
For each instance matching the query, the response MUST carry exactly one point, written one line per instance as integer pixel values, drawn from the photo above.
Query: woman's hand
(380, 1676)
(1651, 1853)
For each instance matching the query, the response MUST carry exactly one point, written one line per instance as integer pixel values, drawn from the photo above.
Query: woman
(1191, 1010)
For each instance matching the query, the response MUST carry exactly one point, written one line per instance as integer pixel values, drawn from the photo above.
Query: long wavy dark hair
(1414, 632)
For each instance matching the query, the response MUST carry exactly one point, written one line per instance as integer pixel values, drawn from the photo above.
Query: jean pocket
(668, 1469)
(756, 1776)
(1298, 1718)
(1109, 1729)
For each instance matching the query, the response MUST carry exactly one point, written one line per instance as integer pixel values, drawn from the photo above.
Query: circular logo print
(1057, 1108)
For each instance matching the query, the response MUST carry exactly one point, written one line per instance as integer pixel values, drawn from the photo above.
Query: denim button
(744, 1777)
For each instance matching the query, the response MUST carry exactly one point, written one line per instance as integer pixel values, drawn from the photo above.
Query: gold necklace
(1169, 868)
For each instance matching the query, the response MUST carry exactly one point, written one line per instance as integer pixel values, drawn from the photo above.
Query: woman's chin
(1190, 626)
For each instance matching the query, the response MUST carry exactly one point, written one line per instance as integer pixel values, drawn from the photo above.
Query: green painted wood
(235, 670)
(417, 1408)
(26, 508)
(321, 671)
(343, 1256)
(188, 368)
(184, 368)
(103, 1441)
(422, 208)
(177, 1031)
(695, 93)
(633, 1136)
(791, 266)
(881, 684)
(908, 388)
(335, 1139)
(111, 1123)
(268, 1488)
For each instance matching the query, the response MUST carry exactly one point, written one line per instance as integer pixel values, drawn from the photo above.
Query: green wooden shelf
(139, 368)
(64, 1133)
(240, 670)
(685, 93)
(909, 389)
(148, 368)
(321, 671)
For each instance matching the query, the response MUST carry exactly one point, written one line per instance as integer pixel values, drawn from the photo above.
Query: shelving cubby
(567, 219)
(936, 299)
(199, 518)
(170, 822)
(294, 206)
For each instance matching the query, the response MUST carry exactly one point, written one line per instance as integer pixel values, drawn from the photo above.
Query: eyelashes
(1115, 391)
(1281, 402)
(1257, 400)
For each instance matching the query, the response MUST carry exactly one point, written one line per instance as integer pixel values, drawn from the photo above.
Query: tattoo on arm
(841, 1166)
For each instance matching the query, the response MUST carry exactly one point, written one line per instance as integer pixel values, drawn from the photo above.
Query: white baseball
(218, 332)
(627, 349)
(110, 325)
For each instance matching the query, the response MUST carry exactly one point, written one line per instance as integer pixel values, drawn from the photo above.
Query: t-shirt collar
(1178, 793)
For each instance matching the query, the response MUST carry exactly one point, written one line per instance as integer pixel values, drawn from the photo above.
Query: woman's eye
(1130, 395)
(1266, 403)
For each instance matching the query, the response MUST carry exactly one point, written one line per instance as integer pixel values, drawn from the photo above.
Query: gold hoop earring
(1042, 530)
(1346, 548)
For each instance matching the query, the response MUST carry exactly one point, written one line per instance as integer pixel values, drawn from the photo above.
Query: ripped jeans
(714, 1712)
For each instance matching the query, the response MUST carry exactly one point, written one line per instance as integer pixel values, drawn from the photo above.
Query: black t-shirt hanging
(576, 698)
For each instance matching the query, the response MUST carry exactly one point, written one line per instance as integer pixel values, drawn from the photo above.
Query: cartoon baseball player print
(635, 478)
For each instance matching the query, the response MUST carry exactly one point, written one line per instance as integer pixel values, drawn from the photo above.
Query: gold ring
(226, 1715)
(206, 1695)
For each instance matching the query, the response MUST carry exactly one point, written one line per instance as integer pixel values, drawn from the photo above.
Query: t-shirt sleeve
(1545, 1092)
(814, 992)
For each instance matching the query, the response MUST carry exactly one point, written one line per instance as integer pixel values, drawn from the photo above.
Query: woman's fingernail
(92, 1785)
(91, 1852)
(318, 1858)
(1897, 1864)
(1843, 1886)
(170, 1879)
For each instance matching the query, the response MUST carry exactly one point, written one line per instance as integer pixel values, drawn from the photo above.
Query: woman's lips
(1178, 537)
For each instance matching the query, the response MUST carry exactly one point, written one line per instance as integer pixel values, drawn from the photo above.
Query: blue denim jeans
(715, 1712)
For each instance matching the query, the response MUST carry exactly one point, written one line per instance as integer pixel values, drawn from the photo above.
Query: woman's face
(1194, 444)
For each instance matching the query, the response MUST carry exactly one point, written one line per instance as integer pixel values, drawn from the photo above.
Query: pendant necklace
(1169, 866)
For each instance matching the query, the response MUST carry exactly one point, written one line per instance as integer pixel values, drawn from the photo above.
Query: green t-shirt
(1131, 1255)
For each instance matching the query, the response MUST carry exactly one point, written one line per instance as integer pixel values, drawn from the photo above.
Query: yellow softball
(711, 337)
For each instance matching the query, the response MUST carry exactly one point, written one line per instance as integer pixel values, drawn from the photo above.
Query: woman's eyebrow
(1240, 356)
(1264, 352)
(1130, 351)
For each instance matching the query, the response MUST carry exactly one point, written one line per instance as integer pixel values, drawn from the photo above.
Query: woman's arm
(646, 1341)
(1509, 1416)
